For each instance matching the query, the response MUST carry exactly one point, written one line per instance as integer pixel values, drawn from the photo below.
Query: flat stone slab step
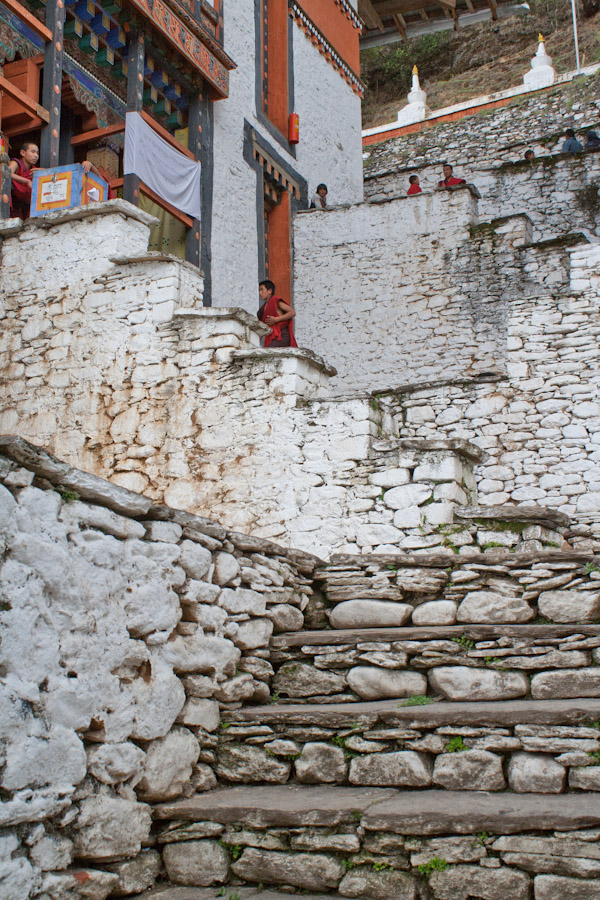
(172, 892)
(493, 713)
(401, 812)
(433, 632)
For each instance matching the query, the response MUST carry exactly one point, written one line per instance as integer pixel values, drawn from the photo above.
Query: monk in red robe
(278, 315)
(449, 180)
(415, 187)
(21, 171)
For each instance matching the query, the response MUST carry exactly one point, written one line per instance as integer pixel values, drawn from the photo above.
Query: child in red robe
(21, 171)
(415, 187)
(449, 180)
(278, 315)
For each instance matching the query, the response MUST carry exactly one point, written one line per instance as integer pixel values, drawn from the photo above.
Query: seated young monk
(449, 180)
(278, 315)
(21, 170)
(415, 187)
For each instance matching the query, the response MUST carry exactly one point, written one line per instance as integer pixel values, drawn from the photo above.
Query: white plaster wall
(234, 222)
(330, 148)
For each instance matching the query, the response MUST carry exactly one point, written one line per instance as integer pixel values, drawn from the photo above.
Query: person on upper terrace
(21, 170)
(529, 156)
(592, 141)
(449, 180)
(571, 144)
(278, 315)
(415, 187)
(319, 201)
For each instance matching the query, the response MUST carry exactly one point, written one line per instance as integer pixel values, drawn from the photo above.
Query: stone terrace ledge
(9, 227)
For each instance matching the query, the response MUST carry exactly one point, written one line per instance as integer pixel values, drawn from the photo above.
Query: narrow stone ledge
(157, 256)
(539, 515)
(10, 227)
(478, 713)
(90, 211)
(267, 353)
(441, 560)
(455, 445)
(433, 633)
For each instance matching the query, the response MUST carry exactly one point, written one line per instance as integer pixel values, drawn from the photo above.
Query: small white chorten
(417, 108)
(542, 74)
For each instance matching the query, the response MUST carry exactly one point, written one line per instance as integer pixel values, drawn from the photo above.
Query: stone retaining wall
(126, 628)
(494, 136)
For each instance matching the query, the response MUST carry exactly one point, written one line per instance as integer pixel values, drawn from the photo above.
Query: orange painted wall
(277, 62)
(331, 19)
(279, 247)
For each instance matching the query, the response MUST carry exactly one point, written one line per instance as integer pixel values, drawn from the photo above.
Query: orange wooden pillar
(279, 250)
(276, 63)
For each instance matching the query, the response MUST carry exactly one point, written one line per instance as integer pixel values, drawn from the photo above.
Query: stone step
(388, 810)
(382, 844)
(523, 745)
(458, 663)
(473, 584)
(232, 892)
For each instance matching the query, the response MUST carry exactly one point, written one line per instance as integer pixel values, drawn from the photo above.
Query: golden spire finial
(415, 70)
(541, 38)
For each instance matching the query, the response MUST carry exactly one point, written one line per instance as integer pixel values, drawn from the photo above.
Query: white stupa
(417, 108)
(542, 74)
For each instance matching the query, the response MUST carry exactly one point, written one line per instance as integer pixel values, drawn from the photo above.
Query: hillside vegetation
(480, 59)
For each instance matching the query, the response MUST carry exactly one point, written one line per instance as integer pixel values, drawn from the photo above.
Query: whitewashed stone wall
(398, 291)
(126, 628)
(539, 426)
(330, 150)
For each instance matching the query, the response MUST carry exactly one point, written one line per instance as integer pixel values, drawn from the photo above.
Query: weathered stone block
(114, 763)
(463, 683)
(585, 778)
(168, 765)
(242, 600)
(554, 887)
(226, 568)
(369, 614)
(407, 495)
(464, 882)
(469, 770)
(373, 683)
(245, 763)
(364, 882)
(302, 680)
(110, 828)
(566, 683)
(200, 712)
(253, 634)
(136, 875)
(486, 607)
(404, 768)
(570, 606)
(309, 871)
(535, 773)
(435, 612)
(198, 863)
(285, 618)
(195, 559)
(320, 763)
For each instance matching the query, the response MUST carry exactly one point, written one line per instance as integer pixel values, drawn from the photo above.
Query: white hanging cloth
(170, 174)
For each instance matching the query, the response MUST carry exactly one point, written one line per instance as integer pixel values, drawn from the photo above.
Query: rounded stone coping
(221, 312)
(156, 256)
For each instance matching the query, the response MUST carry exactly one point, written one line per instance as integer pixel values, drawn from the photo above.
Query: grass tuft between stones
(436, 864)
(417, 700)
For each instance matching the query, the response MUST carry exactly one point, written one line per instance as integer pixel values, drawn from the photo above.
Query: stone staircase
(447, 760)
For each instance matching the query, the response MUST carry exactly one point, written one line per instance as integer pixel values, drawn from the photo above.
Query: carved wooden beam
(371, 17)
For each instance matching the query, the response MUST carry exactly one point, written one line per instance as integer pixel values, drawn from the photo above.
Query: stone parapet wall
(126, 628)
(559, 193)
